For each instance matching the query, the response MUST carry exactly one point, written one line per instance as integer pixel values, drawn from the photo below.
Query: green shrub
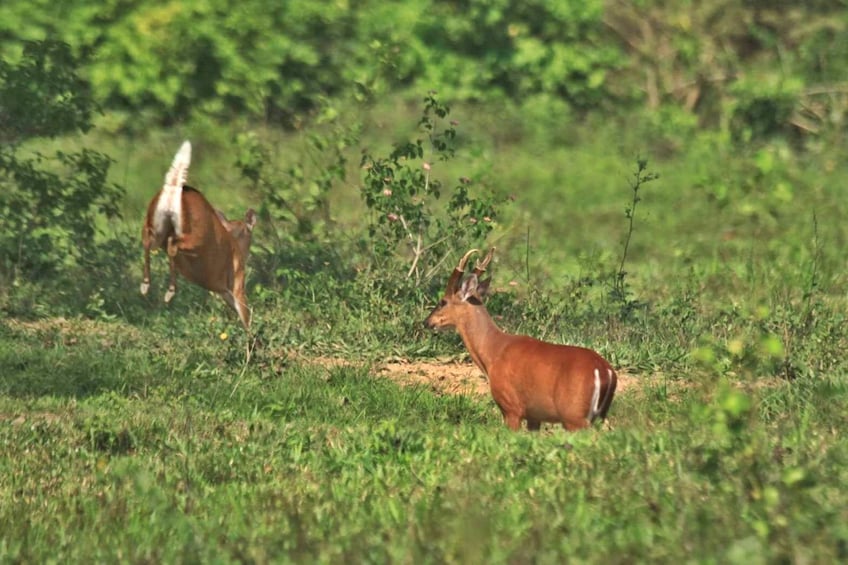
(408, 227)
(53, 207)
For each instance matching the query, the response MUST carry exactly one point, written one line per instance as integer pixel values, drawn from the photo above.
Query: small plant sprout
(619, 292)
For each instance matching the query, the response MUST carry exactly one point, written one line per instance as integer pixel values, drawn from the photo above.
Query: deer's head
(241, 231)
(461, 297)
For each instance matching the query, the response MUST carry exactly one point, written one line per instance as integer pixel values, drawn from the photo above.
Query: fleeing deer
(202, 245)
(530, 379)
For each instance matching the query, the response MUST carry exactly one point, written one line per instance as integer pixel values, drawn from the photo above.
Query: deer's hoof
(170, 294)
(144, 288)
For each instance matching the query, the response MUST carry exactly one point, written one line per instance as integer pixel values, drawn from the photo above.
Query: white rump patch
(170, 202)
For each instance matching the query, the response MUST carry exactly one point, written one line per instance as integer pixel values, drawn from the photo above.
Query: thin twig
(249, 347)
(417, 251)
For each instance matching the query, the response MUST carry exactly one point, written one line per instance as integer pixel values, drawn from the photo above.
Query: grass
(154, 454)
(133, 431)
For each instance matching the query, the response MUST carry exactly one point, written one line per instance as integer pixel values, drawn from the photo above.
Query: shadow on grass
(73, 372)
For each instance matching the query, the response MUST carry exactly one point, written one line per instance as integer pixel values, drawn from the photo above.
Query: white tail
(169, 207)
(202, 245)
(530, 379)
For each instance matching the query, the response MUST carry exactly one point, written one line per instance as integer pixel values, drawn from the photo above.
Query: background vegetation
(379, 141)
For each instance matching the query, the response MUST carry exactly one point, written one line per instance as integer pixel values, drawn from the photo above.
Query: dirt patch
(452, 377)
(31, 418)
(74, 331)
(441, 377)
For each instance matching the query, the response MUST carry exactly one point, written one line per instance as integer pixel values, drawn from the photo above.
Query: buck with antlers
(202, 244)
(530, 379)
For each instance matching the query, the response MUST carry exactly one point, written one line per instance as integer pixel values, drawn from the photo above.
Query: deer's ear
(250, 219)
(469, 288)
(483, 288)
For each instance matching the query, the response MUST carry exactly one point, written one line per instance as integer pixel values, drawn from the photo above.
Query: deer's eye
(442, 303)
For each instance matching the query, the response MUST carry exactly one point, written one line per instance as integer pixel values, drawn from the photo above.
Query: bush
(408, 227)
(51, 205)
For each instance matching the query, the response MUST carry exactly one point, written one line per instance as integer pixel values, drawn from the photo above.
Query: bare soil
(455, 377)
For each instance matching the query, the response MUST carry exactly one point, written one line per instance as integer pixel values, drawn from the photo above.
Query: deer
(530, 380)
(202, 245)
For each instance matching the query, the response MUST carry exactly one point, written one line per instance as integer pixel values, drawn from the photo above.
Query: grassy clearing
(171, 454)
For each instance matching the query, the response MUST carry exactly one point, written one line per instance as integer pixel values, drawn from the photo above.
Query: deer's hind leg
(173, 249)
(147, 242)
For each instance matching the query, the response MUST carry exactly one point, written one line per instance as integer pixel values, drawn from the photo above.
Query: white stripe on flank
(593, 410)
(609, 386)
(170, 202)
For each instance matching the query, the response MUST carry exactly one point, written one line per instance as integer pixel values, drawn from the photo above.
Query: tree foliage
(755, 68)
(49, 205)
(229, 57)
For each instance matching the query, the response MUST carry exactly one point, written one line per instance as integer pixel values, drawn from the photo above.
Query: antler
(480, 267)
(453, 281)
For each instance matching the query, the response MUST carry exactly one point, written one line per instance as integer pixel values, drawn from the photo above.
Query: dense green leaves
(758, 68)
(42, 95)
(225, 58)
(50, 205)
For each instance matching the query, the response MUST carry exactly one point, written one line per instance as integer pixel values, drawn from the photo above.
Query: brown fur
(530, 379)
(211, 253)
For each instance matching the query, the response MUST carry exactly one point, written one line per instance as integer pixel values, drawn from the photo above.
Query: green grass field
(135, 432)
(120, 445)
